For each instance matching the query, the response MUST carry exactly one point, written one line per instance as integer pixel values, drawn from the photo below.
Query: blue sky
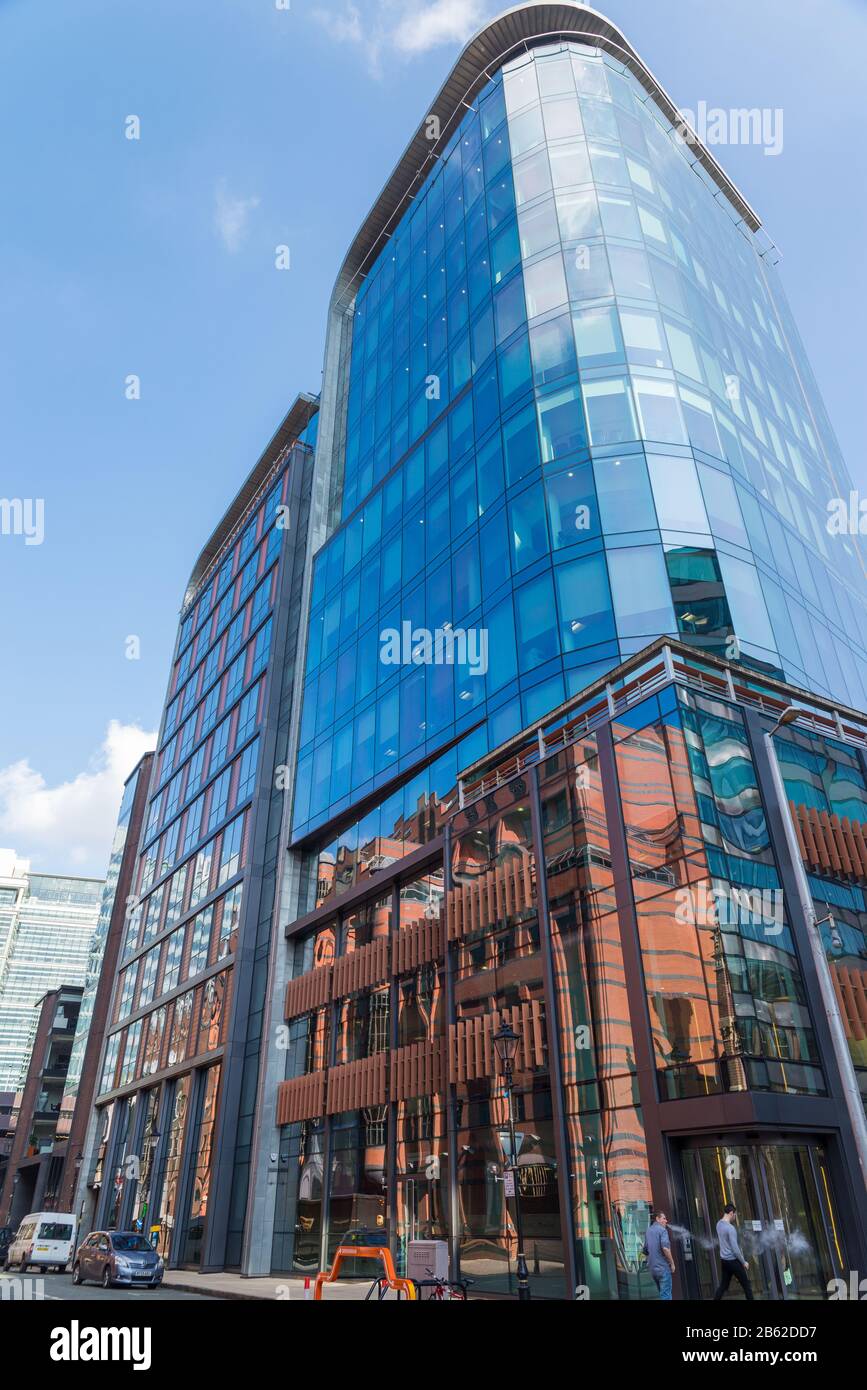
(259, 127)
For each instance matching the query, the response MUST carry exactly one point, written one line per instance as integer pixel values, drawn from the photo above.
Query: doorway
(787, 1219)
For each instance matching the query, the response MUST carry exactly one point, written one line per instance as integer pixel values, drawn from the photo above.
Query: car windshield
(54, 1230)
(130, 1242)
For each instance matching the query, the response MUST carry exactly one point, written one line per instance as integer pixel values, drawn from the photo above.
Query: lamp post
(506, 1042)
(842, 1055)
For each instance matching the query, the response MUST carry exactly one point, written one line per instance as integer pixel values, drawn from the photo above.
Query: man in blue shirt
(657, 1248)
(734, 1266)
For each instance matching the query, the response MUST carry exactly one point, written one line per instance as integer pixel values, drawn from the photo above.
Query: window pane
(552, 349)
(545, 284)
(642, 334)
(610, 417)
(676, 492)
(746, 602)
(578, 215)
(623, 489)
(584, 603)
(561, 423)
(659, 410)
(573, 512)
(640, 590)
(597, 337)
(539, 229)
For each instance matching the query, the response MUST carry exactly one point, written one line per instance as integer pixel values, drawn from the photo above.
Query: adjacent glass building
(177, 1086)
(566, 412)
(47, 922)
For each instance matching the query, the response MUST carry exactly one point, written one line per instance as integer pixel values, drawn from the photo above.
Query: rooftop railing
(661, 664)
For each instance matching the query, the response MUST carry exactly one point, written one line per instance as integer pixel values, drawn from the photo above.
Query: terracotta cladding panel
(842, 848)
(167, 1033)
(831, 845)
(472, 1055)
(227, 1004)
(851, 988)
(216, 923)
(358, 1084)
(360, 969)
(186, 952)
(301, 1099)
(309, 991)
(418, 1069)
(499, 892)
(417, 944)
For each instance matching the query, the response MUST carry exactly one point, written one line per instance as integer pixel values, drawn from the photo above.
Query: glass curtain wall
(578, 417)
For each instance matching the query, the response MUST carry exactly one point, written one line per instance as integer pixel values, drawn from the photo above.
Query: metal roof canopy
(521, 28)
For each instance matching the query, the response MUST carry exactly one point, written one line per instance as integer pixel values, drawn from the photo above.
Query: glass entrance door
(806, 1237)
(787, 1220)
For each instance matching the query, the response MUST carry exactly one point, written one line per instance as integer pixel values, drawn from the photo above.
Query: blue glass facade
(577, 416)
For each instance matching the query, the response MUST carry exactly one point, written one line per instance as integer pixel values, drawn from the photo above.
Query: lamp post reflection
(506, 1042)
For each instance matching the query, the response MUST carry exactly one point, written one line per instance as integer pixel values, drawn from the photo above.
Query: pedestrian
(734, 1266)
(657, 1248)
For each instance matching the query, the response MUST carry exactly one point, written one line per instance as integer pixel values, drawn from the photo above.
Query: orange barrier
(365, 1252)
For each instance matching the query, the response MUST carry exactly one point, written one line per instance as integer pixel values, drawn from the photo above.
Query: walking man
(734, 1266)
(657, 1248)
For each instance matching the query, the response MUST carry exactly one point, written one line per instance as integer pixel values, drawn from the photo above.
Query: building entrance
(788, 1223)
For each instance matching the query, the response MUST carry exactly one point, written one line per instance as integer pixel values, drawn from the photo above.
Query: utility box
(427, 1259)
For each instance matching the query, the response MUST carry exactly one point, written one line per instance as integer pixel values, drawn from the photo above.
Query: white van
(44, 1239)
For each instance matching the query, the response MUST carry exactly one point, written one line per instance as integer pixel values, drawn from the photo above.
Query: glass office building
(47, 922)
(566, 412)
(574, 412)
(179, 1065)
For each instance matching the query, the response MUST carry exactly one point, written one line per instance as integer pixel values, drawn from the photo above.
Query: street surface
(61, 1288)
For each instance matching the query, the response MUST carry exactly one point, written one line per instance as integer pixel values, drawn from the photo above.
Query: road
(60, 1287)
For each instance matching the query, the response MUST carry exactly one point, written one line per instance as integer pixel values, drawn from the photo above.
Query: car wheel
(76, 1273)
(106, 1278)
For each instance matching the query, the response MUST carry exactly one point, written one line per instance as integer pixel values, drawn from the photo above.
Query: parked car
(45, 1239)
(7, 1234)
(117, 1257)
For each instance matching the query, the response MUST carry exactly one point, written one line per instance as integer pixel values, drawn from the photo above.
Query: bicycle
(445, 1290)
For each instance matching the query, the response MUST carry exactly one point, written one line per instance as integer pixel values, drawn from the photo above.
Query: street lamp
(506, 1042)
(842, 1055)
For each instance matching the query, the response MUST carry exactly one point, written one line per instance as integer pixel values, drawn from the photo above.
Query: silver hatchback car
(117, 1257)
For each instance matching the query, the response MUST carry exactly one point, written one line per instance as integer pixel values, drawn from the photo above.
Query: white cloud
(445, 21)
(402, 27)
(69, 828)
(230, 217)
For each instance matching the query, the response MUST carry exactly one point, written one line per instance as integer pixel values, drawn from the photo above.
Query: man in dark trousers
(734, 1266)
(657, 1248)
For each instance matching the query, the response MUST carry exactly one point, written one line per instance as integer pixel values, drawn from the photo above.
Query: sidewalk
(228, 1285)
